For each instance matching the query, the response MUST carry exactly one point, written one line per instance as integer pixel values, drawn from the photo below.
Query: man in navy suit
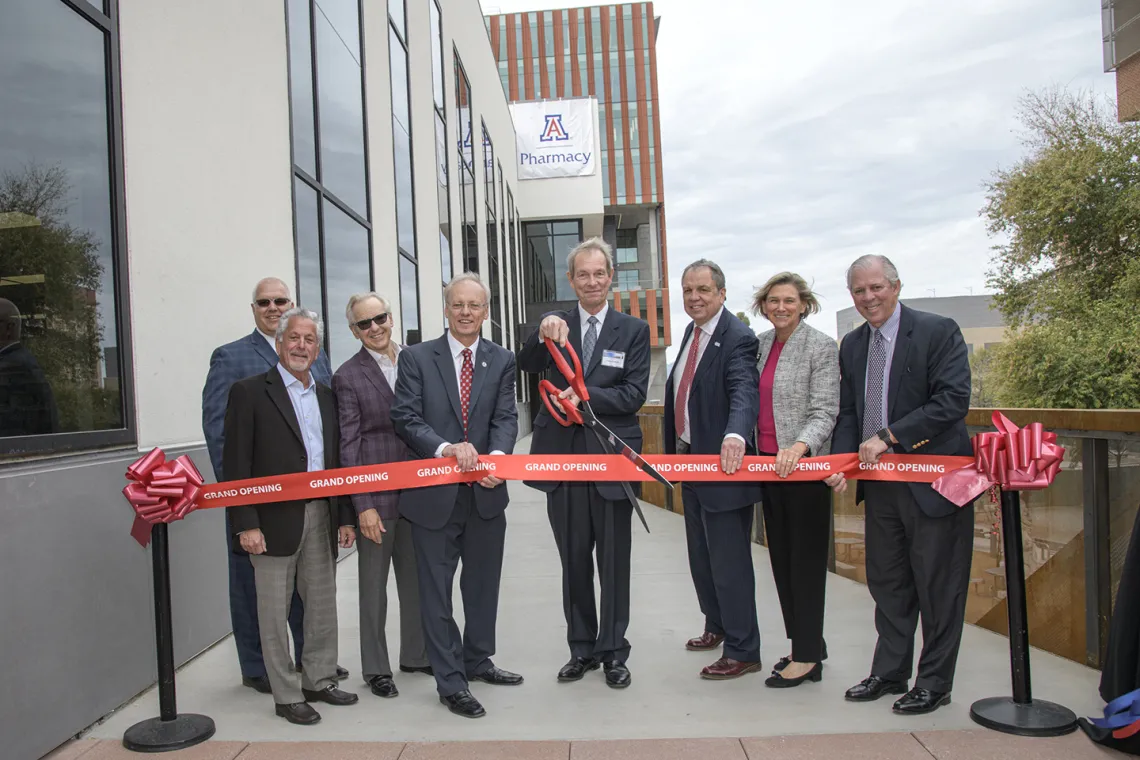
(712, 400)
(593, 517)
(455, 400)
(905, 388)
(254, 354)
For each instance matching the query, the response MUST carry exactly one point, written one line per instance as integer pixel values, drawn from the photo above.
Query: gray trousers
(375, 561)
(314, 569)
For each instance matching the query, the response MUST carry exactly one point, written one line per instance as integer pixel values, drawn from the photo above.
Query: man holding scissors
(591, 518)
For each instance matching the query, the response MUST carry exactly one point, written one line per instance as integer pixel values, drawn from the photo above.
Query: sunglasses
(263, 303)
(379, 319)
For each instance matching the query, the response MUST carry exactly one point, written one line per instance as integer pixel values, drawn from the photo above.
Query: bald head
(271, 299)
(9, 322)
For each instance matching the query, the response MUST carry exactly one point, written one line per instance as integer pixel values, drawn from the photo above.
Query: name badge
(613, 359)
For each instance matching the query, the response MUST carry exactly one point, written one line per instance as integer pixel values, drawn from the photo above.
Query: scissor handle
(569, 414)
(575, 377)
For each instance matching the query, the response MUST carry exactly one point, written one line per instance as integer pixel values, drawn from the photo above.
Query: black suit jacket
(427, 413)
(928, 395)
(616, 393)
(263, 438)
(724, 398)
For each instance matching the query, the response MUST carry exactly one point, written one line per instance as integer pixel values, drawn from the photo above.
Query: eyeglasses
(263, 303)
(472, 307)
(379, 319)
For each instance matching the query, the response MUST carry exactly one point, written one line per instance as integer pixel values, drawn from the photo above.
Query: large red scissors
(565, 413)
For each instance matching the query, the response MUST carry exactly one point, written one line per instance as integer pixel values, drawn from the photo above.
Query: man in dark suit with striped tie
(254, 354)
(905, 388)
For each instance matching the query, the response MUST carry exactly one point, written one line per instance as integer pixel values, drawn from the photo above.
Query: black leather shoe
(918, 701)
(420, 669)
(617, 675)
(783, 662)
(260, 683)
(341, 673)
(873, 687)
(462, 703)
(498, 677)
(384, 686)
(299, 713)
(778, 681)
(330, 695)
(576, 668)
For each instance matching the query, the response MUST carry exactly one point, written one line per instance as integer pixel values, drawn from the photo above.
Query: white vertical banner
(555, 138)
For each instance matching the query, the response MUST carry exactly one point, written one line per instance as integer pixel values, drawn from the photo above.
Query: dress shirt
(457, 357)
(585, 317)
(270, 339)
(308, 412)
(387, 366)
(708, 328)
(890, 331)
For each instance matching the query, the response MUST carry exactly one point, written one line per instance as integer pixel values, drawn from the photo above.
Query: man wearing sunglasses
(254, 354)
(365, 391)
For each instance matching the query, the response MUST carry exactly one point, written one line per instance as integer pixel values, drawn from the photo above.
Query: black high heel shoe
(778, 681)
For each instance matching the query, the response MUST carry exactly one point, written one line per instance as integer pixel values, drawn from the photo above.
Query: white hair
(267, 281)
(466, 277)
(357, 298)
(869, 260)
(298, 312)
(593, 244)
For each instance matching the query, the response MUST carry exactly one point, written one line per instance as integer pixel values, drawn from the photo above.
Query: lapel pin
(717, 344)
(484, 364)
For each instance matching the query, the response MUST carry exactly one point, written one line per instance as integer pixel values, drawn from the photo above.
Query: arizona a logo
(553, 129)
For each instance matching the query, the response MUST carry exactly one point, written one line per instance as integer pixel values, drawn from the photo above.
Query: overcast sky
(800, 140)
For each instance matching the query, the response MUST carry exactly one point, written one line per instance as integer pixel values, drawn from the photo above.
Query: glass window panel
(409, 302)
(562, 246)
(398, 59)
(301, 87)
(344, 17)
(443, 197)
(405, 205)
(437, 54)
(518, 37)
(462, 106)
(565, 228)
(310, 294)
(548, 35)
(615, 80)
(489, 172)
(627, 27)
(60, 373)
(396, 13)
(613, 30)
(470, 234)
(347, 271)
(342, 113)
(645, 41)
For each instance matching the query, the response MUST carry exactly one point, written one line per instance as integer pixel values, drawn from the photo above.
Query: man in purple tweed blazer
(364, 389)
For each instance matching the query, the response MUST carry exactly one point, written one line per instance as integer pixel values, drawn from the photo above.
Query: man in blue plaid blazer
(254, 354)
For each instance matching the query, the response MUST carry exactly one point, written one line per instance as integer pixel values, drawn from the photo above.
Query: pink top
(767, 422)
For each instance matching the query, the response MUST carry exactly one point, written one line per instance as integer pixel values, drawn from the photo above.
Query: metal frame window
(443, 181)
(404, 175)
(91, 401)
(466, 150)
(547, 245)
(333, 233)
(493, 280)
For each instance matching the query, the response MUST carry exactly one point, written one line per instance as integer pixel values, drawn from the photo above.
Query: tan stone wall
(1128, 90)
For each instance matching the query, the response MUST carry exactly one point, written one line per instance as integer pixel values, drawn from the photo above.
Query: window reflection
(409, 302)
(310, 294)
(443, 197)
(301, 87)
(341, 104)
(346, 272)
(59, 353)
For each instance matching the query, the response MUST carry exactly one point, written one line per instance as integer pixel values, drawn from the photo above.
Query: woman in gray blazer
(799, 401)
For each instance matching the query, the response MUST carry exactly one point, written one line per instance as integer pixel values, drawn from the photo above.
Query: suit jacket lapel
(606, 337)
(374, 374)
(446, 366)
(327, 404)
(575, 325)
(899, 358)
(275, 386)
(678, 366)
(262, 348)
(713, 346)
(861, 346)
(482, 366)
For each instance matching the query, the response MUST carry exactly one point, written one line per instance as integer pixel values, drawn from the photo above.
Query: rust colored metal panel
(652, 48)
(610, 97)
(512, 58)
(665, 312)
(540, 59)
(559, 57)
(591, 44)
(651, 316)
(528, 60)
(575, 69)
(634, 304)
(495, 32)
(644, 127)
(617, 300)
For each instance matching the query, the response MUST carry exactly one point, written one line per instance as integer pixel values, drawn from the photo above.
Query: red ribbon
(161, 491)
(1017, 459)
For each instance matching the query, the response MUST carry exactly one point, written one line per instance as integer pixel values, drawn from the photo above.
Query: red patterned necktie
(466, 374)
(682, 396)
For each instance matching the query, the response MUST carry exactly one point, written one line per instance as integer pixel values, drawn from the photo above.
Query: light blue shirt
(308, 411)
(890, 332)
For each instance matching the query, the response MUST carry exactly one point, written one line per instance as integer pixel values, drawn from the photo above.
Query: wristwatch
(885, 436)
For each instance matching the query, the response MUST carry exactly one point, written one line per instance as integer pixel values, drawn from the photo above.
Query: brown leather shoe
(725, 668)
(704, 642)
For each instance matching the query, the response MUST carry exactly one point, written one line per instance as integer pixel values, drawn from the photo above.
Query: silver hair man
(717, 272)
(466, 277)
(357, 298)
(869, 260)
(298, 312)
(593, 244)
(268, 281)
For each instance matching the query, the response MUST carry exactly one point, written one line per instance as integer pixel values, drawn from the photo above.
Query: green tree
(983, 392)
(744, 318)
(1067, 274)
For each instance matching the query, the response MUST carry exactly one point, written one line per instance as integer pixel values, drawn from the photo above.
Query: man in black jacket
(278, 423)
(589, 517)
(905, 388)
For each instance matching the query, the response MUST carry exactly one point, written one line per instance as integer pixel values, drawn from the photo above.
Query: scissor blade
(609, 448)
(623, 449)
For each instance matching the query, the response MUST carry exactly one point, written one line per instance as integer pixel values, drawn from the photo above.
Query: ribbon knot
(1121, 716)
(1017, 459)
(161, 491)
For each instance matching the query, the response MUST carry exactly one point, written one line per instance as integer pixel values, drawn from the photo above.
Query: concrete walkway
(666, 699)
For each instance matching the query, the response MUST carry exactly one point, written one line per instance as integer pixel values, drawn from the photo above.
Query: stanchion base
(158, 735)
(1036, 718)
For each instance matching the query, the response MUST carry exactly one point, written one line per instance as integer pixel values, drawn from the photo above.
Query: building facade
(982, 325)
(1120, 25)
(156, 161)
(607, 53)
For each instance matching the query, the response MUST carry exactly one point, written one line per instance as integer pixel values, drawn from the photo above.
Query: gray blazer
(805, 391)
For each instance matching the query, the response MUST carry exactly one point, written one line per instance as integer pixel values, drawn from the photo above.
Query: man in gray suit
(455, 399)
(365, 389)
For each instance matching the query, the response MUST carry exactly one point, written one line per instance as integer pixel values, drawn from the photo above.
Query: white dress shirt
(708, 328)
(585, 317)
(308, 412)
(270, 339)
(457, 357)
(389, 367)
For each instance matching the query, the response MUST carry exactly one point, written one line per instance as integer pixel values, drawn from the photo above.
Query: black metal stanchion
(169, 731)
(1022, 714)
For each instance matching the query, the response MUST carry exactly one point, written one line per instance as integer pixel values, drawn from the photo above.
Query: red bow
(1017, 459)
(162, 491)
